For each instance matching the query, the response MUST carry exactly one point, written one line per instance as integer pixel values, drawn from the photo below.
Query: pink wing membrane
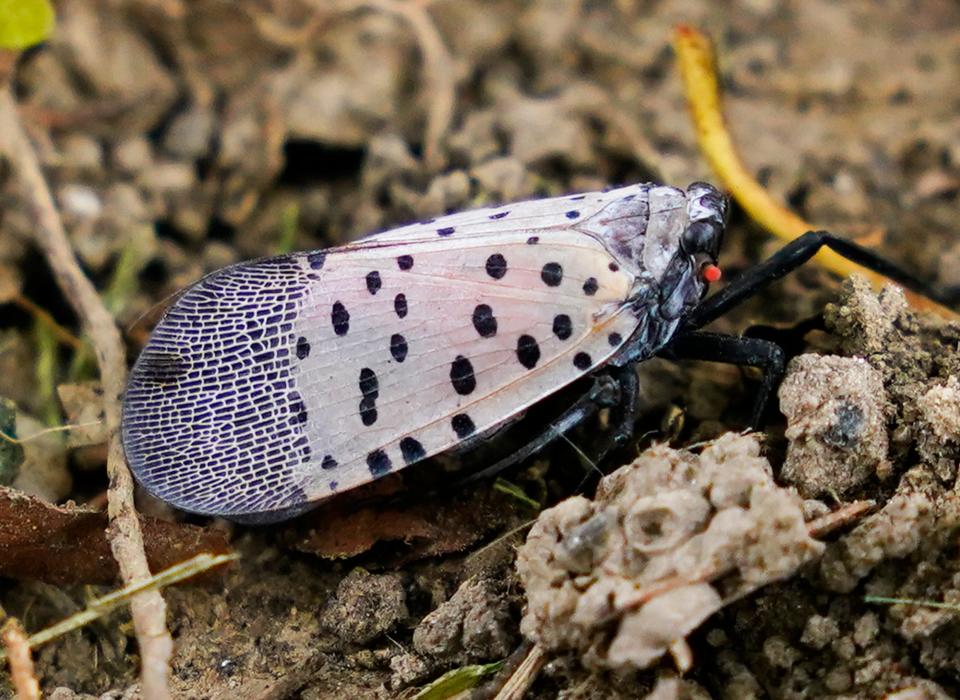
(474, 346)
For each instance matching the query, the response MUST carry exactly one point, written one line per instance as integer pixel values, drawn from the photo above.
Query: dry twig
(22, 677)
(697, 66)
(44, 317)
(843, 516)
(521, 679)
(126, 540)
(99, 607)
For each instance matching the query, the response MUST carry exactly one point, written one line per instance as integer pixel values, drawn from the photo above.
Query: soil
(179, 137)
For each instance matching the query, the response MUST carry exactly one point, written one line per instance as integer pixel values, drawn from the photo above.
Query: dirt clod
(668, 541)
(366, 606)
(835, 424)
(474, 625)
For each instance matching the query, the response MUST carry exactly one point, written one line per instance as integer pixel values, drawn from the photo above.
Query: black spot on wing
(496, 266)
(398, 347)
(552, 274)
(582, 361)
(461, 376)
(368, 410)
(412, 450)
(562, 326)
(303, 348)
(369, 385)
(528, 351)
(340, 318)
(370, 388)
(373, 282)
(462, 425)
(378, 463)
(400, 305)
(484, 321)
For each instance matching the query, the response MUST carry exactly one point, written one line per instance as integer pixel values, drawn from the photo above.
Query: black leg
(792, 256)
(792, 339)
(736, 350)
(629, 384)
(605, 392)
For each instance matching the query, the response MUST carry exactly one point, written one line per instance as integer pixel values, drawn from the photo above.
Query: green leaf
(458, 680)
(24, 23)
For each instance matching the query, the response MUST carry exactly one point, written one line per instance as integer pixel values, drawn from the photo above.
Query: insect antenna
(584, 456)
(154, 311)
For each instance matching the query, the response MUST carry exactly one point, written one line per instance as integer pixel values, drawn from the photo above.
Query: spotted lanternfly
(274, 384)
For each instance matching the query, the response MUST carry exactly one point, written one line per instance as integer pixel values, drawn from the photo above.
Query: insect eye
(701, 237)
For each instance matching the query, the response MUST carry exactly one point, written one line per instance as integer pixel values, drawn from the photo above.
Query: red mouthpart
(712, 273)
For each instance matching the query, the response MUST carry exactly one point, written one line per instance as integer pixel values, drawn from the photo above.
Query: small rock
(541, 129)
(168, 177)
(506, 179)
(190, 133)
(43, 472)
(448, 192)
(366, 606)
(80, 201)
(835, 424)
(125, 205)
(80, 154)
(896, 531)
(820, 631)
(217, 254)
(357, 90)
(388, 156)
(408, 669)
(132, 155)
(83, 405)
(938, 439)
(838, 680)
(62, 693)
(109, 56)
(779, 653)
(476, 141)
(941, 410)
(866, 630)
(474, 625)
(866, 322)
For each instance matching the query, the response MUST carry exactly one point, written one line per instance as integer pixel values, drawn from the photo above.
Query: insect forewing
(279, 382)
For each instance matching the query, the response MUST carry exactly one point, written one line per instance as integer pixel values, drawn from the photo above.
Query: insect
(272, 385)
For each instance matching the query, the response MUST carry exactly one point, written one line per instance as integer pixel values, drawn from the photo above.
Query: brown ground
(181, 136)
